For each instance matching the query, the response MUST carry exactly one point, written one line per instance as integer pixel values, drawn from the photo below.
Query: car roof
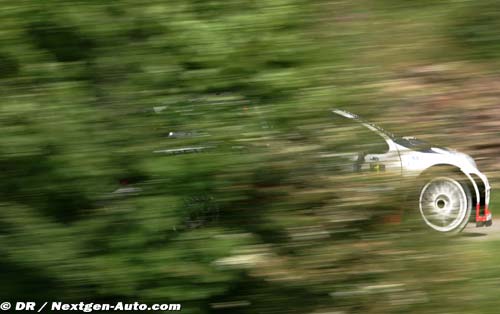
(355, 117)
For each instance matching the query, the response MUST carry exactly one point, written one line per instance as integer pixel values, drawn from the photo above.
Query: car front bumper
(483, 215)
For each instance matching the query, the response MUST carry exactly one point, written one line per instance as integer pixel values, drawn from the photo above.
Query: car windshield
(408, 142)
(413, 143)
(352, 136)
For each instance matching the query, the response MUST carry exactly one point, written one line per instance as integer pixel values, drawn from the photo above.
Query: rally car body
(413, 158)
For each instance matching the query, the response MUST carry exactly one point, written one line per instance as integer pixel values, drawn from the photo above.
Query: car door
(365, 154)
(368, 146)
(382, 156)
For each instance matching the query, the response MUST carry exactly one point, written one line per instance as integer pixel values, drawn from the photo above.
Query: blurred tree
(475, 29)
(250, 81)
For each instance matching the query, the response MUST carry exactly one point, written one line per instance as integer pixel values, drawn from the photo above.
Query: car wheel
(445, 204)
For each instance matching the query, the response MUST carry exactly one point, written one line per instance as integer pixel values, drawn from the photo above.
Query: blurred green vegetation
(90, 90)
(475, 29)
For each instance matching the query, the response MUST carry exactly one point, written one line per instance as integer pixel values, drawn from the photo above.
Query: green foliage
(90, 92)
(476, 29)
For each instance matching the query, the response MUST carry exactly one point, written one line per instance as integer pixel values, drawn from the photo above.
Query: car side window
(348, 136)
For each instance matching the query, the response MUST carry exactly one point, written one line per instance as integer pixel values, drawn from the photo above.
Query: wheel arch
(468, 179)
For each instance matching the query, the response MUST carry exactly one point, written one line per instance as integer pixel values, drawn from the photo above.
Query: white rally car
(451, 189)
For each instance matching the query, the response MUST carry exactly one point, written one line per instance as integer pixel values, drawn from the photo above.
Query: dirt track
(484, 233)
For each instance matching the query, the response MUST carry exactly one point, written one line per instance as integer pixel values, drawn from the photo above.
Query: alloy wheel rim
(443, 204)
